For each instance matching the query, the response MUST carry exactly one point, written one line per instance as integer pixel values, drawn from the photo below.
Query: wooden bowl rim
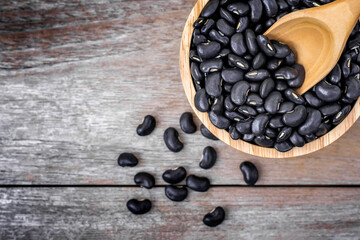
(223, 135)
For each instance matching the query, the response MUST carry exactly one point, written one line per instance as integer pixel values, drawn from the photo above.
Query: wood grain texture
(223, 135)
(251, 213)
(70, 106)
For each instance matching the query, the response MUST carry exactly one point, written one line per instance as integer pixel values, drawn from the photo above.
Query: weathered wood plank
(73, 90)
(252, 213)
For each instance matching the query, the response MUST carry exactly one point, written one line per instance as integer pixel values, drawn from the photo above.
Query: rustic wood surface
(77, 77)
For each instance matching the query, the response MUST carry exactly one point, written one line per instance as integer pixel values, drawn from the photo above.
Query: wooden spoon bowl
(223, 135)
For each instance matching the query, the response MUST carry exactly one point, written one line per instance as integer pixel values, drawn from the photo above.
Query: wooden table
(77, 77)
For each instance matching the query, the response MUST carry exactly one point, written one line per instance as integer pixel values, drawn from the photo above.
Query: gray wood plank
(251, 213)
(76, 80)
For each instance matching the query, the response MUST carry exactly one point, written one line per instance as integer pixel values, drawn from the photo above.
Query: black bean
(322, 130)
(271, 8)
(346, 100)
(283, 146)
(254, 100)
(239, 8)
(172, 140)
(271, 133)
(208, 158)
(237, 44)
(293, 2)
(299, 80)
(355, 69)
(213, 84)
(334, 76)
(127, 160)
(330, 109)
(284, 134)
(310, 3)
(257, 75)
(310, 137)
(218, 105)
(264, 141)
(234, 116)
(293, 96)
(234, 134)
(283, 6)
(216, 36)
(215, 217)
(259, 124)
(144, 179)
(276, 122)
(250, 172)
(174, 175)
(242, 24)
(224, 27)
(239, 92)
(208, 25)
(266, 87)
(286, 73)
(265, 45)
(195, 57)
(208, 50)
(244, 126)
(254, 87)
(232, 75)
(338, 118)
(273, 64)
(248, 137)
(352, 88)
(345, 65)
(248, 57)
(219, 121)
(311, 123)
(259, 61)
(251, 42)
(187, 123)
(139, 206)
(238, 62)
(224, 52)
(327, 92)
(312, 100)
(296, 117)
(247, 111)
(199, 22)
(272, 102)
(176, 193)
(290, 59)
(296, 139)
(269, 22)
(201, 101)
(210, 8)
(211, 65)
(196, 74)
(206, 133)
(199, 184)
(225, 14)
(228, 104)
(260, 109)
(147, 126)
(259, 29)
(256, 10)
(286, 107)
(198, 39)
(281, 50)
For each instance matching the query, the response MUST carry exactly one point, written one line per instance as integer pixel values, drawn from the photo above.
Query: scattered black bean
(172, 140)
(208, 158)
(127, 160)
(144, 179)
(174, 175)
(176, 193)
(215, 217)
(139, 206)
(199, 184)
(147, 126)
(187, 123)
(249, 172)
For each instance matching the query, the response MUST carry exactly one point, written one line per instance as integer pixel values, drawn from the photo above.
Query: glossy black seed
(198, 39)
(322, 130)
(260, 109)
(254, 99)
(271, 133)
(296, 139)
(239, 8)
(312, 100)
(276, 122)
(176, 193)
(211, 65)
(283, 5)
(208, 25)
(259, 61)
(290, 59)
(147, 126)
(199, 22)
(213, 84)
(215, 217)
(293, 96)
(283, 146)
(352, 88)
(272, 102)
(201, 100)
(250, 172)
(281, 50)
(257, 75)
(239, 92)
(248, 57)
(271, 8)
(296, 117)
(208, 50)
(127, 160)
(284, 134)
(144, 179)
(234, 134)
(225, 14)
(208, 158)
(254, 87)
(286, 107)
(238, 62)
(224, 52)
(216, 36)
(172, 140)
(338, 118)
(187, 123)
(334, 76)
(256, 10)
(244, 126)
(139, 207)
(197, 75)
(264, 141)
(218, 105)
(345, 64)
(234, 116)
(195, 57)
(293, 2)
(327, 92)
(330, 109)
(247, 111)
(174, 175)
(310, 137)
(259, 124)
(251, 42)
(219, 121)
(286, 73)
(355, 69)
(281, 85)
(210, 8)
(248, 137)
(237, 44)
(242, 24)
(196, 183)
(299, 80)
(266, 87)
(206, 133)
(269, 22)
(311, 123)
(232, 75)
(265, 45)
(228, 104)
(224, 27)
(273, 64)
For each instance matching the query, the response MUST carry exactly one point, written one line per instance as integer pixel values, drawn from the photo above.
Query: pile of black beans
(245, 81)
(176, 175)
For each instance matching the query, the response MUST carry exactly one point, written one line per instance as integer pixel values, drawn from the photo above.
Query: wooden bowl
(223, 135)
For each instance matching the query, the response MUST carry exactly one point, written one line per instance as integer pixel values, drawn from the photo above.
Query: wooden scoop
(317, 36)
